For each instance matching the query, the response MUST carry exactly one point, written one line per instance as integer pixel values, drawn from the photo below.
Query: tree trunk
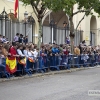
(72, 35)
(72, 45)
(39, 34)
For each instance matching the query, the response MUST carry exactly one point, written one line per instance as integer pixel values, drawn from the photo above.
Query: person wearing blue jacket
(55, 49)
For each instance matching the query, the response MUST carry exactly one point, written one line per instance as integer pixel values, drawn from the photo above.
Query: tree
(84, 6)
(39, 9)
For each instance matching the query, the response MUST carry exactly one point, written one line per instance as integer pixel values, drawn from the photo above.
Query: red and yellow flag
(31, 60)
(22, 61)
(11, 66)
(16, 8)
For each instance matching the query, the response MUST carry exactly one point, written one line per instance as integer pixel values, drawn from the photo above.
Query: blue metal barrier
(63, 61)
(55, 62)
(28, 68)
(40, 64)
(97, 59)
(3, 71)
(73, 60)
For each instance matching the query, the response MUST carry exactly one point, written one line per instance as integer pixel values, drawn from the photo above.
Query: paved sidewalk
(48, 73)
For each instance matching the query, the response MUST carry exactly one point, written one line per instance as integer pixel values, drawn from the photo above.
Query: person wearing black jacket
(21, 38)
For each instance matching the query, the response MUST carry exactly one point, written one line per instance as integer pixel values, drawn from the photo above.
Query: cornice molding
(14, 1)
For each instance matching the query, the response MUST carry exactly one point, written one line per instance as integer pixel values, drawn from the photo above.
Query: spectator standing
(25, 40)
(55, 50)
(83, 43)
(11, 59)
(36, 52)
(65, 50)
(1, 55)
(30, 58)
(21, 60)
(67, 41)
(25, 50)
(76, 51)
(4, 39)
(21, 38)
(16, 38)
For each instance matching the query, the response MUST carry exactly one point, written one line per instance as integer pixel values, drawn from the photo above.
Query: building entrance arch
(55, 27)
(93, 31)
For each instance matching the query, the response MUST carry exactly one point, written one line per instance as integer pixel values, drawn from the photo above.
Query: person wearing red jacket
(65, 51)
(11, 65)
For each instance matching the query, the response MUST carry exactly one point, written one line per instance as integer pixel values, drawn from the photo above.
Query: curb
(44, 74)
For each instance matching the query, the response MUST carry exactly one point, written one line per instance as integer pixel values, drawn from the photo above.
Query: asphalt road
(69, 86)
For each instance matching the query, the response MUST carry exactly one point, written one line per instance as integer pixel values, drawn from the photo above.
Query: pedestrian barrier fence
(44, 63)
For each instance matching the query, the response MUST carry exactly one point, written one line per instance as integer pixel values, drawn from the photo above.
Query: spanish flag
(22, 61)
(11, 66)
(16, 8)
(31, 60)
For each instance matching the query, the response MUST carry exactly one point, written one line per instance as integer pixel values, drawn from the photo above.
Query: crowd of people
(19, 52)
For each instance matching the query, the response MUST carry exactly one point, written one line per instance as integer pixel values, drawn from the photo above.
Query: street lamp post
(25, 18)
(52, 23)
(31, 21)
(1, 18)
(65, 27)
(10, 24)
(4, 16)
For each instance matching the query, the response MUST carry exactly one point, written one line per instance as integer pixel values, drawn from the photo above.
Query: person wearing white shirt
(30, 60)
(28, 53)
(35, 53)
(16, 38)
(20, 66)
(25, 51)
(20, 53)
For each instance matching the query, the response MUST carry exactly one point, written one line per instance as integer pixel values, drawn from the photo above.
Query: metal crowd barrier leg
(41, 64)
(27, 68)
(53, 65)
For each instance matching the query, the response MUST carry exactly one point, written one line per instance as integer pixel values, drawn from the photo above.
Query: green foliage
(89, 4)
(57, 5)
(67, 5)
(26, 2)
(84, 6)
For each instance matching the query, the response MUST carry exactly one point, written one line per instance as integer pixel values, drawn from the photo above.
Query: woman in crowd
(21, 60)
(48, 52)
(3, 54)
(11, 65)
(65, 50)
(31, 59)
